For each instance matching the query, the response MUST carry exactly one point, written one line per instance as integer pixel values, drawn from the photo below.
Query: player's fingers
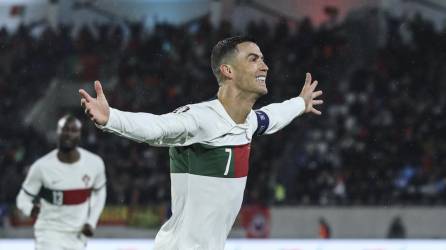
(87, 110)
(317, 102)
(315, 111)
(98, 88)
(316, 94)
(85, 95)
(91, 117)
(313, 85)
(83, 102)
(308, 79)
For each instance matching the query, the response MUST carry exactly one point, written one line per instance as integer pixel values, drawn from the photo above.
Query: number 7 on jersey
(228, 164)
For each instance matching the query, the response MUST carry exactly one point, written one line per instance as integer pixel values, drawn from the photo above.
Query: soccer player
(65, 191)
(209, 142)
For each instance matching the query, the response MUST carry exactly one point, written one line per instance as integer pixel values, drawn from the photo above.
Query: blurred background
(371, 167)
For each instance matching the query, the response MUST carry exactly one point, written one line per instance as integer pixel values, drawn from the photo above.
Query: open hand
(309, 95)
(96, 108)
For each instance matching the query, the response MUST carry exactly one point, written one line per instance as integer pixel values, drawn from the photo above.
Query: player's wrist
(87, 230)
(35, 210)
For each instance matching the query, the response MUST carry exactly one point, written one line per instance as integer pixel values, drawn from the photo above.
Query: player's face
(69, 134)
(250, 69)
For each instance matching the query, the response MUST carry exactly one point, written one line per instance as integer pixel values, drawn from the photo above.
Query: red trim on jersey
(241, 160)
(75, 196)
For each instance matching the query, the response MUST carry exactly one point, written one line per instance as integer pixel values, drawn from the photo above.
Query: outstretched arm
(275, 116)
(176, 128)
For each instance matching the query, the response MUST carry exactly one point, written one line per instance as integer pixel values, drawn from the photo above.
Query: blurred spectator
(397, 230)
(3, 215)
(324, 229)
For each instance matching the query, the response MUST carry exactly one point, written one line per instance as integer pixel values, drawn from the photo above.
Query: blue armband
(262, 122)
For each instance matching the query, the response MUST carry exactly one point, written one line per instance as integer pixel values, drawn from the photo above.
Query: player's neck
(237, 104)
(70, 156)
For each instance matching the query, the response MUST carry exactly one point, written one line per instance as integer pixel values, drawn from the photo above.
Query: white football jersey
(65, 191)
(209, 156)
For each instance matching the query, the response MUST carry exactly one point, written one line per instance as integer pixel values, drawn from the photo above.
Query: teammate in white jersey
(209, 143)
(65, 191)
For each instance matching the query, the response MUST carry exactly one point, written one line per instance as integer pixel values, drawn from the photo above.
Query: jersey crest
(86, 179)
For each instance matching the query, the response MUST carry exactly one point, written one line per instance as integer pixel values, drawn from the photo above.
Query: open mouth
(261, 79)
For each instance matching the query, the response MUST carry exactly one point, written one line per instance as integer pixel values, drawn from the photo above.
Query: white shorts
(57, 240)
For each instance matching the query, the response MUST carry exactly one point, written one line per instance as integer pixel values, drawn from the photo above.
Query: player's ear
(226, 71)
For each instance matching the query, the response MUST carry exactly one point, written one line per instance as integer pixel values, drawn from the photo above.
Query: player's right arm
(29, 191)
(175, 128)
(162, 130)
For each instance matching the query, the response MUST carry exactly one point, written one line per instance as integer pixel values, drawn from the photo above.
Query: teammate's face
(68, 134)
(249, 69)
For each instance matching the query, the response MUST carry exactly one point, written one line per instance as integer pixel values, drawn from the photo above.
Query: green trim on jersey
(200, 159)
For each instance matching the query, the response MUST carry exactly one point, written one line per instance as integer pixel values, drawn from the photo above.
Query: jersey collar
(218, 107)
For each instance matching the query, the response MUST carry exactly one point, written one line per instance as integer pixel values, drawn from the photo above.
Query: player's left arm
(97, 201)
(274, 117)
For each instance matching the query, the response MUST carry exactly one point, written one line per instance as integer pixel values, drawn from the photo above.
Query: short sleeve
(33, 181)
(100, 179)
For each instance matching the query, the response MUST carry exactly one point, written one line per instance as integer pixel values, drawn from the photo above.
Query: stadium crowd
(378, 142)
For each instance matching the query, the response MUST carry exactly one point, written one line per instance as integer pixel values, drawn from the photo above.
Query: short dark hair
(224, 48)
